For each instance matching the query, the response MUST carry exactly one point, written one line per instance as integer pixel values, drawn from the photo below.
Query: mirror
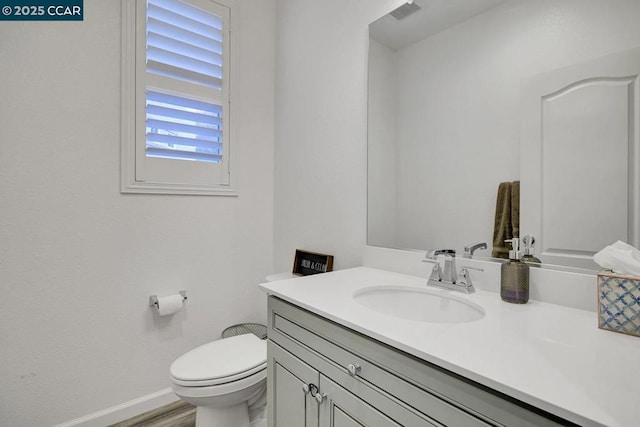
(445, 114)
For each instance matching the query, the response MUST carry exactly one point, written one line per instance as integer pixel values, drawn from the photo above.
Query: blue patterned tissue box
(619, 303)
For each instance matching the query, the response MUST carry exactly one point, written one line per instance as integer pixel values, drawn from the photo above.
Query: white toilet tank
(280, 276)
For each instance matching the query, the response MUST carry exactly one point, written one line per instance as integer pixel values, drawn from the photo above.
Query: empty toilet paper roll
(169, 304)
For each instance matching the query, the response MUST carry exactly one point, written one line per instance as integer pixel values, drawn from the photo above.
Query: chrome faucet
(447, 278)
(471, 248)
(448, 274)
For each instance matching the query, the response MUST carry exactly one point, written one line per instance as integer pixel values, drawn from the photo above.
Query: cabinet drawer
(441, 395)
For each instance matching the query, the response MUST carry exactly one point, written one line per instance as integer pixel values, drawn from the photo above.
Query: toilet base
(237, 416)
(231, 404)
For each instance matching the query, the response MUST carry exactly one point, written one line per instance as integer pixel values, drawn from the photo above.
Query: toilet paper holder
(153, 299)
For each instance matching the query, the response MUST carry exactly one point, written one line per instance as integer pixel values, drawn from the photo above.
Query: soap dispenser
(528, 252)
(514, 276)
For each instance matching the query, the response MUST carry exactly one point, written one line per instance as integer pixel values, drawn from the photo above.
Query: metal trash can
(246, 328)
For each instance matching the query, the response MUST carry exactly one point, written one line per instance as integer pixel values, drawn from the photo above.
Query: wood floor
(177, 414)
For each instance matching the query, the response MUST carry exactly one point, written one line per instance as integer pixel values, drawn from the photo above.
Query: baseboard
(124, 411)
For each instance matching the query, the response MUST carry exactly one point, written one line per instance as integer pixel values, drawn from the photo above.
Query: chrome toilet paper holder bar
(153, 299)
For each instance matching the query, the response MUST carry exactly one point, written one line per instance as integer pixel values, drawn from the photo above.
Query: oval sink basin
(418, 304)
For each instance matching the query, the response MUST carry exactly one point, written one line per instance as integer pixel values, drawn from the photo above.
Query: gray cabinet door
(288, 403)
(340, 408)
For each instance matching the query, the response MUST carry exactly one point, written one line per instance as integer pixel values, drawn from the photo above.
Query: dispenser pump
(527, 243)
(514, 253)
(528, 252)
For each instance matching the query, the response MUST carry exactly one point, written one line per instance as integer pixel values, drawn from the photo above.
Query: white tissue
(169, 304)
(619, 257)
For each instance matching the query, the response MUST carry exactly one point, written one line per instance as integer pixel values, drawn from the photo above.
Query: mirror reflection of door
(580, 158)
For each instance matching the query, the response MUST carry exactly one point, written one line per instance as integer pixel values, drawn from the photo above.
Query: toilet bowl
(225, 379)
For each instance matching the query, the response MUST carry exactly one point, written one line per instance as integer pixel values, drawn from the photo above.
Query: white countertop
(550, 356)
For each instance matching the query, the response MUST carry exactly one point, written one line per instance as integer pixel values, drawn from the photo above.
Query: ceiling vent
(405, 10)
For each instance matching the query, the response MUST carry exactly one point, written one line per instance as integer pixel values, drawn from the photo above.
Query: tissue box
(619, 303)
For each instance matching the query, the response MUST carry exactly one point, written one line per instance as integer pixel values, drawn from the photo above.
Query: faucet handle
(436, 273)
(466, 278)
(471, 248)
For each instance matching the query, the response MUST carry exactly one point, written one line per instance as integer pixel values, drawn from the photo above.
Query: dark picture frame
(307, 263)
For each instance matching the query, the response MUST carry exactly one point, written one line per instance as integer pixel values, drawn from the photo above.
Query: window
(176, 133)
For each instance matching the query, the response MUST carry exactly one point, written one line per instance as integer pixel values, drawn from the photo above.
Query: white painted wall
(458, 119)
(78, 260)
(381, 150)
(321, 127)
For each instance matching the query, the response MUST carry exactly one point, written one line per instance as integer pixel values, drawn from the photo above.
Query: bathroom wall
(321, 127)
(382, 168)
(78, 260)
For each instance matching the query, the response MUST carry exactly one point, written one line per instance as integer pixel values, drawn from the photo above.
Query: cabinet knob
(320, 397)
(310, 388)
(353, 369)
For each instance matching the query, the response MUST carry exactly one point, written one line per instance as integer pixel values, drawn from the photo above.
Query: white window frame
(139, 173)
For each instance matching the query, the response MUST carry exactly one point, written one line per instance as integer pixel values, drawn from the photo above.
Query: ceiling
(433, 17)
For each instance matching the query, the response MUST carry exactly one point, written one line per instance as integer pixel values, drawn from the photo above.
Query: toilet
(226, 380)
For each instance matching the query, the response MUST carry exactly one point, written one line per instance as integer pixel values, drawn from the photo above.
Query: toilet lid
(224, 360)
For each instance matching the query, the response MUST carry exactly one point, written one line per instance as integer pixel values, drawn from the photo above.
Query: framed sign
(307, 263)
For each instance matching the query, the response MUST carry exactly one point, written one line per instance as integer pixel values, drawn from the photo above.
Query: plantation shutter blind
(185, 92)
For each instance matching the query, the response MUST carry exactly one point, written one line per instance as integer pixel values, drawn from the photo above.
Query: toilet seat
(246, 385)
(221, 362)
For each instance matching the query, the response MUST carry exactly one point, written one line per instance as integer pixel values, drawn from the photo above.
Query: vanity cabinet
(302, 396)
(323, 374)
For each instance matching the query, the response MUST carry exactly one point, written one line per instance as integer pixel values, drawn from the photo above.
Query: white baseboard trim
(125, 410)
